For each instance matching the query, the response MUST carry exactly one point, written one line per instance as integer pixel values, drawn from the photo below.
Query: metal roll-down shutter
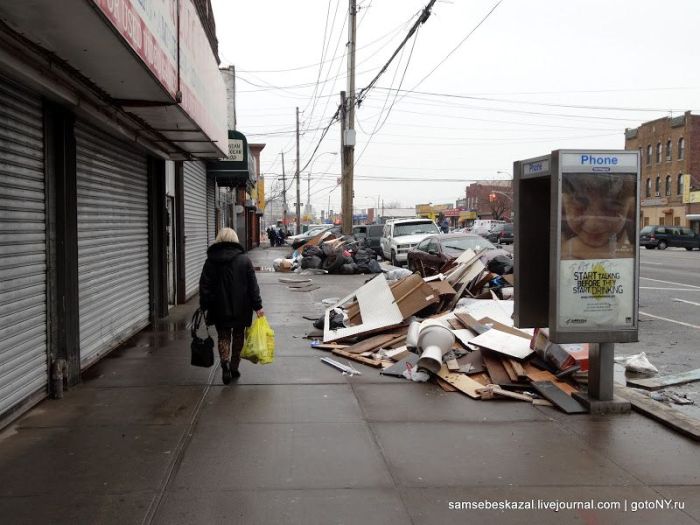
(195, 202)
(112, 241)
(211, 211)
(23, 340)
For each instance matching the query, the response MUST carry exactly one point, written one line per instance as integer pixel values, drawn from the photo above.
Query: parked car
(433, 252)
(400, 235)
(662, 237)
(297, 240)
(501, 234)
(369, 235)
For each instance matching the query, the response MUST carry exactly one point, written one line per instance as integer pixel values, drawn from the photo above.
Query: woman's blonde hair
(227, 235)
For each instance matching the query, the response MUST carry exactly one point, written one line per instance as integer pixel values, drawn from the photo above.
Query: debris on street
(455, 330)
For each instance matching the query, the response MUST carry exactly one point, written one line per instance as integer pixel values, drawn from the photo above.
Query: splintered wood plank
(518, 369)
(561, 400)
(471, 323)
(461, 382)
(329, 347)
(495, 368)
(656, 383)
(534, 374)
(509, 370)
(374, 363)
(482, 378)
(370, 344)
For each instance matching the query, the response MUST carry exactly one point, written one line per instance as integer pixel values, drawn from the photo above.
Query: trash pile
(455, 329)
(327, 254)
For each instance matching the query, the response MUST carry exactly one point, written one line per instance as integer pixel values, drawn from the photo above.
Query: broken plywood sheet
(504, 343)
(377, 306)
(371, 344)
(495, 368)
(412, 294)
(375, 363)
(463, 383)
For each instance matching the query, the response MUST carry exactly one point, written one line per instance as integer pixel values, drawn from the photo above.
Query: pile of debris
(329, 254)
(453, 329)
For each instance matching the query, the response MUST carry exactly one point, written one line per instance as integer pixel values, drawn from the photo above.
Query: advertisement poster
(596, 270)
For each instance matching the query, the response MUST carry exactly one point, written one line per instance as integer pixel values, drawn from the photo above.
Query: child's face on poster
(596, 208)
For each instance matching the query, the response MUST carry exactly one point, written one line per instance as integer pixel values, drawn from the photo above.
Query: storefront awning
(238, 169)
(152, 60)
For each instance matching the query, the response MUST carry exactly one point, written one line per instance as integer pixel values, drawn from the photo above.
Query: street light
(505, 173)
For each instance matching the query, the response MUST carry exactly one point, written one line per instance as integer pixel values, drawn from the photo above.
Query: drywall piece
(377, 308)
(461, 382)
(397, 369)
(500, 311)
(656, 383)
(507, 344)
(463, 335)
(563, 401)
(396, 353)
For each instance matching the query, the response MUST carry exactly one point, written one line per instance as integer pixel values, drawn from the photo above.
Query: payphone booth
(577, 255)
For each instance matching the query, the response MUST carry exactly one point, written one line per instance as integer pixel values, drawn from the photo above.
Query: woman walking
(229, 294)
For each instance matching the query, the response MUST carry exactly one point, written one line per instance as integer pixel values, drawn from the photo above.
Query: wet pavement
(146, 438)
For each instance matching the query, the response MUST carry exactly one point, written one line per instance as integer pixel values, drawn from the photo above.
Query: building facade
(490, 199)
(669, 150)
(105, 207)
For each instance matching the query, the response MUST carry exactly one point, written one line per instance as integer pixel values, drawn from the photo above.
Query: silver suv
(401, 235)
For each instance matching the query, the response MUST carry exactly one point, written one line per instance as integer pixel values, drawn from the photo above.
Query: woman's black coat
(228, 289)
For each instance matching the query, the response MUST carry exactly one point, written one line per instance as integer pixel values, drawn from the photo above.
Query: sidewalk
(148, 438)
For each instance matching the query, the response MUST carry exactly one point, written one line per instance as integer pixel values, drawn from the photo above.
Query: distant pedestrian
(445, 226)
(273, 237)
(229, 294)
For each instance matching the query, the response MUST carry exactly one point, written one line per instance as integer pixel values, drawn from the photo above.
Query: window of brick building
(680, 184)
(676, 221)
(668, 185)
(657, 188)
(646, 221)
(658, 152)
(661, 221)
(649, 154)
(668, 150)
(681, 148)
(648, 187)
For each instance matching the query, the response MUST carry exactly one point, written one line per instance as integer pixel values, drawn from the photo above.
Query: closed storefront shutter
(112, 241)
(195, 202)
(23, 339)
(211, 211)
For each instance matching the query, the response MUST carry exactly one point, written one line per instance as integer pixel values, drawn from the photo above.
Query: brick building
(490, 199)
(669, 149)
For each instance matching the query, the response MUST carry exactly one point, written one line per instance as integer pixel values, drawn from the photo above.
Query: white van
(483, 226)
(401, 235)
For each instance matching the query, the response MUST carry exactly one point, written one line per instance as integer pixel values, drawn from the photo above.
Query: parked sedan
(501, 234)
(433, 252)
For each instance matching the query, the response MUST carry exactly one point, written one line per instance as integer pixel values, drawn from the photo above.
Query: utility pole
(348, 138)
(284, 197)
(308, 194)
(297, 175)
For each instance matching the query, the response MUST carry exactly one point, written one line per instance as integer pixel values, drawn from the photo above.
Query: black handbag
(202, 349)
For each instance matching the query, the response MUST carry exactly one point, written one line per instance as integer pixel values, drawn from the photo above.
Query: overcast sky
(541, 74)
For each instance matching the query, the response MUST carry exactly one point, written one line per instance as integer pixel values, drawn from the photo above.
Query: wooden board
(471, 323)
(561, 400)
(463, 383)
(445, 385)
(656, 383)
(518, 369)
(672, 418)
(533, 374)
(495, 367)
(374, 363)
(504, 328)
(370, 344)
(509, 370)
(329, 347)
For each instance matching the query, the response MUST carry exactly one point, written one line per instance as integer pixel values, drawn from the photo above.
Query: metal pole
(284, 197)
(298, 229)
(601, 371)
(349, 136)
(345, 189)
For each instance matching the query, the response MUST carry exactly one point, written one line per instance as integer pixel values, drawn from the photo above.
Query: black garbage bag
(363, 268)
(334, 261)
(348, 269)
(312, 251)
(500, 265)
(374, 266)
(311, 261)
(335, 320)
